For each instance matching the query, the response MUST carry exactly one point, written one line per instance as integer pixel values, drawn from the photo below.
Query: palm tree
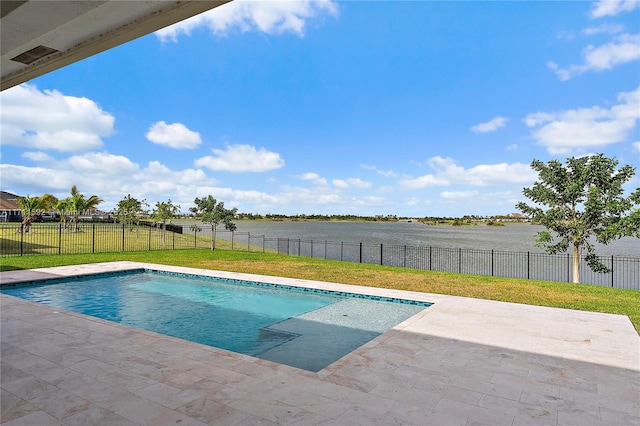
(62, 207)
(29, 207)
(78, 203)
(48, 202)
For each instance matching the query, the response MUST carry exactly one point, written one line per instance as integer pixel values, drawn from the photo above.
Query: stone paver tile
(210, 389)
(274, 411)
(354, 377)
(9, 373)
(329, 408)
(580, 417)
(358, 416)
(176, 378)
(526, 413)
(553, 403)
(28, 387)
(13, 407)
(120, 378)
(51, 372)
(145, 412)
(109, 397)
(487, 387)
(473, 413)
(406, 414)
(210, 411)
(60, 403)
(518, 384)
(39, 418)
(417, 397)
(250, 420)
(451, 392)
(614, 417)
(95, 415)
(168, 396)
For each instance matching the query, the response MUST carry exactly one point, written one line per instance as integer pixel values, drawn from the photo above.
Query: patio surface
(461, 361)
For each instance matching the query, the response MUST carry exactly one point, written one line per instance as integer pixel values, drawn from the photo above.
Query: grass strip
(583, 297)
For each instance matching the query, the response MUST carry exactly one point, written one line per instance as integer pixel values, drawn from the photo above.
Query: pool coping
(494, 362)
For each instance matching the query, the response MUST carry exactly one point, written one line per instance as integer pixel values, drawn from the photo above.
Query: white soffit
(39, 36)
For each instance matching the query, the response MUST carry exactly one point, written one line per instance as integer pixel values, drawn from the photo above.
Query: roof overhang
(41, 36)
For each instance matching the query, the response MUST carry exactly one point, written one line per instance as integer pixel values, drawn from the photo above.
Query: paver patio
(461, 361)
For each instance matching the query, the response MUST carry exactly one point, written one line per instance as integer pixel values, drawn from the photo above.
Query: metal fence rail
(508, 264)
(94, 237)
(58, 238)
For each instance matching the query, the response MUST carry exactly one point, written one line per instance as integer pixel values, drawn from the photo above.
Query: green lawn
(543, 293)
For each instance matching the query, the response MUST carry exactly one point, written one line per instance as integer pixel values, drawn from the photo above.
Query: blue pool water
(306, 329)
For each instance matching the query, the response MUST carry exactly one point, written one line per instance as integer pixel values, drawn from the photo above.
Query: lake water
(512, 237)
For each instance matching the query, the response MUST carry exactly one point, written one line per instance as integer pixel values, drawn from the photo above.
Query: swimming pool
(306, 328)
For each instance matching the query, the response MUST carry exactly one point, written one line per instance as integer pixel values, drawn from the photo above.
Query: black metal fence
(625, 271)
(58, 238)
(96, 237)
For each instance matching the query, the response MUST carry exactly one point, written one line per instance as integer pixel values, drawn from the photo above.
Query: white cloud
(175, 135)
(613, 7)
(351, 182)
(422, 182)
(101, 163)
(586, 128)
(241, 158)
(604, 29)
(447, 173)
(109, 176)
(636, 146)
(625, 48)
(271, 17)
(385, 173)
(315, 178)
(158, 172)
(49, 120)
(490, 126)
(459, 195)
(39, 157)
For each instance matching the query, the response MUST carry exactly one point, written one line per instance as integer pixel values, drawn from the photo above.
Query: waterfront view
(511, 237)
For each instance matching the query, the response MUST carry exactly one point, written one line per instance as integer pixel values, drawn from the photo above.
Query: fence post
(59, 238)
(341, 250)
(404, 257)
(173, 240)
(460, 260)
(612, 271)
(491, 262)
(429, 257)
(232, 234)
(248, 241)
(123, 237)
(528, 266)
(568, 269)
(325, 249)
(311, 248)
(381, 262)
(360, 252)
(21, 238)
(263, 244)
(93, 237)
(149, 237)
(195, 238)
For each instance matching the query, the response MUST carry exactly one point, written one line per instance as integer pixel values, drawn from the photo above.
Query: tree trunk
(213, 237)
(576, 264)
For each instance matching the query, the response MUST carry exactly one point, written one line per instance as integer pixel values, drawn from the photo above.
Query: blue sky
(405, 108)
